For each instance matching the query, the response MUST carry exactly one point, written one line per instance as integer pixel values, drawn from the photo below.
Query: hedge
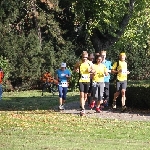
(137, 95)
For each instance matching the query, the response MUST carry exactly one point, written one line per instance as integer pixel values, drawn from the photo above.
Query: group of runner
(94, 76)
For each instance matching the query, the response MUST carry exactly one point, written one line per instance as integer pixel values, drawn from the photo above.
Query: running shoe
(124, 108)
(61, 107)
(92, 105)
(114, 105)
(82, 112)
(98, 110)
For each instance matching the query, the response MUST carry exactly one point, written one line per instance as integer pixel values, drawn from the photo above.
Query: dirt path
(129, 115)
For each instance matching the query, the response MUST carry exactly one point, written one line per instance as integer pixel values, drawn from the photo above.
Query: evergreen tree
(32, 38)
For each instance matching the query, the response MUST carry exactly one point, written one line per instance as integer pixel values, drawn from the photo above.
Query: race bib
(124, 71)
(64, 84)
(84, 76)
(63, 74)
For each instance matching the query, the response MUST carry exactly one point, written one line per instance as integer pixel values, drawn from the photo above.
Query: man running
(84, 69)
(120, 68)
(107, 63)
(62, 75)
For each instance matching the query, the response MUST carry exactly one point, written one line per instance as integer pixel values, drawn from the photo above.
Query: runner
(97, 54)
(62, 75)
(84, 69)
(98, 83)
(91, 59)
(106, 78)
(120, 68)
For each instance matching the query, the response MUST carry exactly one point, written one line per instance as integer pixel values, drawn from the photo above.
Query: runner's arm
(113, 70)
(68, 75)
(106, 71)
(110, 67)
(76, 67)
(91, 68)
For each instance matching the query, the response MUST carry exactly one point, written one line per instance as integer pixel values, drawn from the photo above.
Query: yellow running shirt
(121, 76)
(90, 64)
(85, 75)
(100, 72)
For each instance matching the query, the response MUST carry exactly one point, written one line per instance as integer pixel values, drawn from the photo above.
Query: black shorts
(84, 86)
(121, 85)
(90, 88)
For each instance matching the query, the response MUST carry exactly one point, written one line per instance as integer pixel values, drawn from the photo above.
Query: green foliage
(73, 82)
(38, 36)
(135, 99)
(32, 39)
(140, 99)
(136, 43)
(103, 15)
(54, 56)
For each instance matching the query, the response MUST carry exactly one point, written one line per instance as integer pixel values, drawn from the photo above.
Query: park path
(129, 115)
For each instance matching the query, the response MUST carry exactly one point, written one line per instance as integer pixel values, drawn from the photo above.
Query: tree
(105, 20)
(136, 43)
(32, 38)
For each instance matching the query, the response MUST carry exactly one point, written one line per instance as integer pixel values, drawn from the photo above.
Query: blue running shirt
(108, 66)
(62, 74)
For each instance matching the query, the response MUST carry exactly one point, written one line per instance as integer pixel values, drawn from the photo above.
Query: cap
(122, 54)
(63, 64)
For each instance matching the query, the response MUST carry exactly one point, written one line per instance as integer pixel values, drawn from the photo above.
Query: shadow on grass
(32, 103)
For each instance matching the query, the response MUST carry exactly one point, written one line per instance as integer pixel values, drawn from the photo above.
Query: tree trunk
(35, 15)
(104, 41)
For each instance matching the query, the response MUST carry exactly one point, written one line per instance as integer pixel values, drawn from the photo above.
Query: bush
(137, 95)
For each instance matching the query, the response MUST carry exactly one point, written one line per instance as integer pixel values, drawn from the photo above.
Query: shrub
(138, 95)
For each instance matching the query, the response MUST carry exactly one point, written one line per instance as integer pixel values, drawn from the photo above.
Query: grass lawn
(28, 122)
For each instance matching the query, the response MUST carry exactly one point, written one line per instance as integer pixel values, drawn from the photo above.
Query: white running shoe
(61, 107)
(114, 105)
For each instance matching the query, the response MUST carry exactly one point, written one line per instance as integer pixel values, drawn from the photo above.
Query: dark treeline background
(37, 35)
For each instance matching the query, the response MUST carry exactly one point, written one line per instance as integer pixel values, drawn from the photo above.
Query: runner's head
(84, 55)
(91, 57)
(122, 56)
(103, 54)
(63, 66)
(97, 54)
(98, 59)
